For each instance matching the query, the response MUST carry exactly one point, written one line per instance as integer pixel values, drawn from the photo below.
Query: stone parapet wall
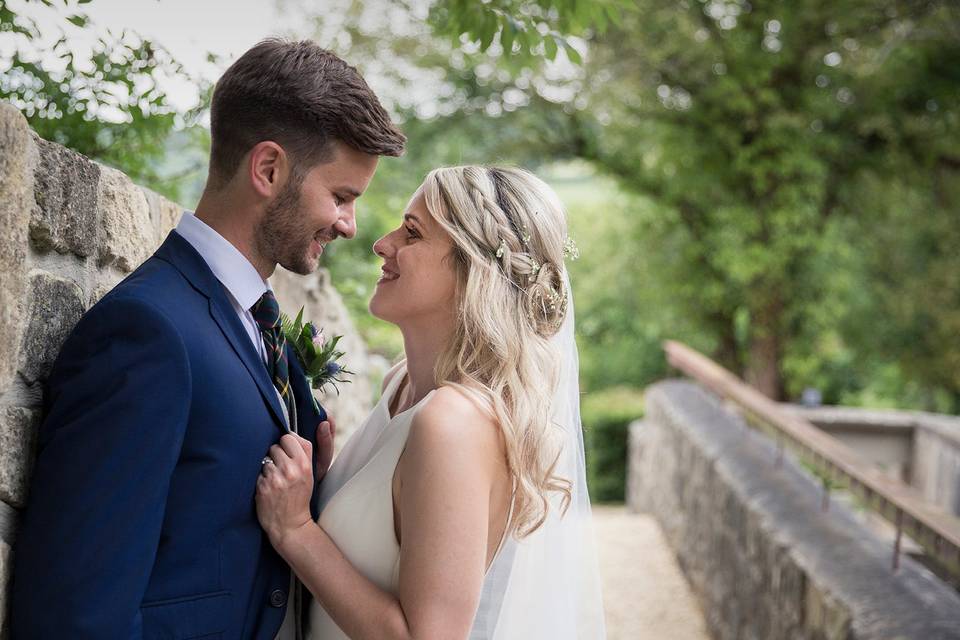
(70, 230)
(936, 462)
(761, 556)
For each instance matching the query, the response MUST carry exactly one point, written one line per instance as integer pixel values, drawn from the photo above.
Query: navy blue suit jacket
(141, 520)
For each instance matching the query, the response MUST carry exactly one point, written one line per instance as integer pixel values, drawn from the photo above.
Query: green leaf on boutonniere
(318, 356)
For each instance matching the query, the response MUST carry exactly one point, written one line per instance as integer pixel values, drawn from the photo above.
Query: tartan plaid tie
(266, 312)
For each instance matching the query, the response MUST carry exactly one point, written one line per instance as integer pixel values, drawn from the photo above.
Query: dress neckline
(391, 395)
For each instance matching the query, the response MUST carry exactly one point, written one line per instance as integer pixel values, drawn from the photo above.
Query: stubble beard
(282, 237)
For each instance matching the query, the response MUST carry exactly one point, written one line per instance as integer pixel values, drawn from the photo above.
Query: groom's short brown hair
(303, 98)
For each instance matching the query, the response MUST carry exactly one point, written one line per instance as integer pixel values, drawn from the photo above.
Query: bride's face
(417, 285)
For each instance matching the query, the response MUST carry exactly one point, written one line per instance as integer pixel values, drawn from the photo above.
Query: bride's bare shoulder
(453, 419)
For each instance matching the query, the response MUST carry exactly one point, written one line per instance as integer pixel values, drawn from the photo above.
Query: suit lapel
(226, 318)
(185, 258)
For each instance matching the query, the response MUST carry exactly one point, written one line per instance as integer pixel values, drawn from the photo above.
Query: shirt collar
(232, 269)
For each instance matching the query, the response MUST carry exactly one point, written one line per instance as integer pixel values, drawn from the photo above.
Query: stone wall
(936, 461)
(71, 229)
(763, 559)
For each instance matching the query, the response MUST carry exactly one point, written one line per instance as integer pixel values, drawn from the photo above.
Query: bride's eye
(412, 233)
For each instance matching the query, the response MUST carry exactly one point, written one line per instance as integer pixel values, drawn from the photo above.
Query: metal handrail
(932, 528)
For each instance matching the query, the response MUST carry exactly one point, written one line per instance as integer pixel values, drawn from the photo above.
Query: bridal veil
(547, 586)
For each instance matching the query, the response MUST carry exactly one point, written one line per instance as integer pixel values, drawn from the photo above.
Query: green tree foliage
(524, 28)
(758, 130)
(108, 107)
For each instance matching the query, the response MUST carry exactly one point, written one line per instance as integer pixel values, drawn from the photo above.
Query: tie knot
(266, 311)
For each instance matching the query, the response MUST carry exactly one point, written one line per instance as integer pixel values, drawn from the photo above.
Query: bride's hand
(326, 431)
(284, 487)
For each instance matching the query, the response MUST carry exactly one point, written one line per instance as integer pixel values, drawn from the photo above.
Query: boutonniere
(317, 355)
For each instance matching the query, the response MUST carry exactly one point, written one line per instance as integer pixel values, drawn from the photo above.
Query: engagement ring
(266, 460)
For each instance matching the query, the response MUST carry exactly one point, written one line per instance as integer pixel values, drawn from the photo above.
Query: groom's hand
(325, 434)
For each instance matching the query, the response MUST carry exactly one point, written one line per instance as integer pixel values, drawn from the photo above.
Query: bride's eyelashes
(412, 233)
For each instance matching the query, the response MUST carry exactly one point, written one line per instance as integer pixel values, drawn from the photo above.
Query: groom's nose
(346, 225)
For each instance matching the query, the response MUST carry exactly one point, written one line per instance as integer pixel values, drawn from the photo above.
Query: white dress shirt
(244, 287)
(243, 284)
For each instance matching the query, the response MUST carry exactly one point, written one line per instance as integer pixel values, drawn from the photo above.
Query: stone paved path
(645, 594)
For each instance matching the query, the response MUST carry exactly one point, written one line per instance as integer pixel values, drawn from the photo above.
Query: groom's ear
(267, 168)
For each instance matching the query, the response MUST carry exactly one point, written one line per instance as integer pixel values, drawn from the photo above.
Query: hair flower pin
(525, 235)
(501, 248)
(570, 249)
(535, 270)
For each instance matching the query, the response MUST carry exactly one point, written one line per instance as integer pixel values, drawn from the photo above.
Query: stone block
(824, 616)
(101, 289)
(66, 217)
(164, 214)
(18, 431)
(18, 157)
(129, 236)
(54, 307)
(635, 489)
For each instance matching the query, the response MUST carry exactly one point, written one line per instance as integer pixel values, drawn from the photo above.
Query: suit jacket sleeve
(118, 404)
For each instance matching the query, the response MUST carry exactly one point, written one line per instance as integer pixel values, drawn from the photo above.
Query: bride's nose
(382, 247)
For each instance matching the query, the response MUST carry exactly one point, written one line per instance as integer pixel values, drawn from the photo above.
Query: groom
(170, 391)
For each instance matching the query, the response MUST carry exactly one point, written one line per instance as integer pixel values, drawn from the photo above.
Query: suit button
(278, 598)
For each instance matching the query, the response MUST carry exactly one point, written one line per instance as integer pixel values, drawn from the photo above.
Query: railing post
(825, 500)
(896, 541)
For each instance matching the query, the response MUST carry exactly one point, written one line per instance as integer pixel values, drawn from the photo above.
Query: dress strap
(506, 527)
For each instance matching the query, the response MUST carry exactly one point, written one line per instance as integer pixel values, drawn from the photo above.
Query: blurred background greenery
(775, 183)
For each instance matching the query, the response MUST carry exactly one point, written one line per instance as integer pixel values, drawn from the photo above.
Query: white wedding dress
(356, 502)
(544, 587)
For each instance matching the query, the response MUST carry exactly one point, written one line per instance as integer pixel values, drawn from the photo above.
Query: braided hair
(508, 232)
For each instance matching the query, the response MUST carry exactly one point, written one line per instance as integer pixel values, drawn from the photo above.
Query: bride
(459, 509)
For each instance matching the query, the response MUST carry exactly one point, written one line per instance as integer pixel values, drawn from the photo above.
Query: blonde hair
(508, 231)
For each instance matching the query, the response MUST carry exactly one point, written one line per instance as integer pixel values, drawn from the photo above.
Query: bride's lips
(388, 275)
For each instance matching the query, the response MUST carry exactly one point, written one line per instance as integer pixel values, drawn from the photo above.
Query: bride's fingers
(291, 445)
(279, 455)
(306, 445)
(298, 454)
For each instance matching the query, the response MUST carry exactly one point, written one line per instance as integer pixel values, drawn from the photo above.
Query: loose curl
(508, 231)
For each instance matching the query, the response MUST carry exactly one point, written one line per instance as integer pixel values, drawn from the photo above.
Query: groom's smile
(321, 239)
(305, 217)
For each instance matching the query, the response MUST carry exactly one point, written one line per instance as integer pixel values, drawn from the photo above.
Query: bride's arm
(448, 470)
